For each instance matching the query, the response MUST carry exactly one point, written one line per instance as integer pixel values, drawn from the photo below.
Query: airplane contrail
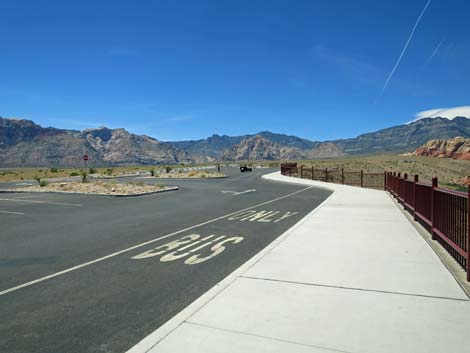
(404, 48)
(432, 55)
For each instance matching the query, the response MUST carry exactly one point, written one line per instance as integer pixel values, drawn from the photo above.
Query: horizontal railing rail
(335, 175)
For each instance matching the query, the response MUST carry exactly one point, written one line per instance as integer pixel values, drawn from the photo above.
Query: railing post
(313, 172)
(433, 206)
(362, 178)
(326, 175)
(342, 175)
(405, 176)
(468, 235)
(414, 196)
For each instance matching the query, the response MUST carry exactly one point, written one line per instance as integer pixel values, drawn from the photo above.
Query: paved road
(97, 274)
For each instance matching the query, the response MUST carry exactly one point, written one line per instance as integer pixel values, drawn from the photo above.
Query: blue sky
(188, 69)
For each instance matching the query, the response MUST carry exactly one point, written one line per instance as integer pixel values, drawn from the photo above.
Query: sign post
(85, 159)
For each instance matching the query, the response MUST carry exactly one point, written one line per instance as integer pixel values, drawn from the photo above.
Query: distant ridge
(24, 143)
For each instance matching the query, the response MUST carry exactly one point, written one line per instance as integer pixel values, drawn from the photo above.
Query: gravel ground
(96, 188)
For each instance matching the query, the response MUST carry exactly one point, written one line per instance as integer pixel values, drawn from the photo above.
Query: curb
(173, 188)
(166, 179)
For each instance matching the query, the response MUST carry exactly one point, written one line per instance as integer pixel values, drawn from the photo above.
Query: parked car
(245, 168)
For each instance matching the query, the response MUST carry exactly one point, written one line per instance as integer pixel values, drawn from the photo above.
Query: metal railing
(335, 175)
(444, 213)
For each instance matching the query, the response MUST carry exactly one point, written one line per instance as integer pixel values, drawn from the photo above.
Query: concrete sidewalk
(353, 276)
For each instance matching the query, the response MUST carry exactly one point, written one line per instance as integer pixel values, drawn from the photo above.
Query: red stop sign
(85, 157)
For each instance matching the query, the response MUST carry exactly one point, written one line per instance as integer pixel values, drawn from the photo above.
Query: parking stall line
(53, 275)
(11, 212)
(33, 195)
(44, 202)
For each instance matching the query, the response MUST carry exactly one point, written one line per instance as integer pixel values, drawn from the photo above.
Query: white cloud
(449, 113)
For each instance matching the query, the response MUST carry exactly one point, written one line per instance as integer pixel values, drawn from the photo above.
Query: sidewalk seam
(265, 337)
(355, 289)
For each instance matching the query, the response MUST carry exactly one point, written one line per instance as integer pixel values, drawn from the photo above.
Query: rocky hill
(260, 148)
(402, 138)
(456, 148)
(209, 149)
(24, 143)
(396, 139)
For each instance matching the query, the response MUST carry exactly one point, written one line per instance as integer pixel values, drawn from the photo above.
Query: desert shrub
(168, 169)
(54, 170)
(109, 171)
(92, 170)
(138, 183)
(84, 176)
(160, 186)
(203, 175)
(74, 174)
(43, 183)
(152, 171)
(192, 173)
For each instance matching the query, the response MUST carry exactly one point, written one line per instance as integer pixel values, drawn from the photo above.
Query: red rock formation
(456, 148)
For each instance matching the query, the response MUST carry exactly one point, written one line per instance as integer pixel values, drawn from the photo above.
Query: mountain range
(24, 143)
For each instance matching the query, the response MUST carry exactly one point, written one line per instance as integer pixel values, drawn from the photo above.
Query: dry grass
(18, 174)
(450, 172)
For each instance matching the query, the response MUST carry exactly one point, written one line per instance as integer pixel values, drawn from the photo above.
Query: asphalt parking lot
(82, 273)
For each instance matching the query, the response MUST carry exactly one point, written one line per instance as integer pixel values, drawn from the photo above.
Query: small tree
(167, 169)
(152, 171)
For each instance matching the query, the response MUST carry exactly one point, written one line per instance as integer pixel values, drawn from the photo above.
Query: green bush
(167, 169)
(74, 174)
(54, 170)
(152, 171)
(109, 171)
(84, 176)
(43, 183)
(160, 186)
(92, 170)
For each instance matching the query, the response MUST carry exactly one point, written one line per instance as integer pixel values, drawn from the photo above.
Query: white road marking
(260, 216)
(10, 212)
(178, 252)
(33, 195)
(234, 193)
(53, 275)
(44, 202)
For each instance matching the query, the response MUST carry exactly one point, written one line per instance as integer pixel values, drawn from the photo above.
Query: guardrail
(444, 213)
(335, 175)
